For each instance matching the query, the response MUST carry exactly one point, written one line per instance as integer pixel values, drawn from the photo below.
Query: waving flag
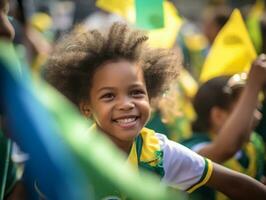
(232, 51)
(125, 9)
(166, 37)
(159, 36)
(149, 14)
(51, 164)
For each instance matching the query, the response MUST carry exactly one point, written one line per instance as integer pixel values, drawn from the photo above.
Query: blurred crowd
(200, 108)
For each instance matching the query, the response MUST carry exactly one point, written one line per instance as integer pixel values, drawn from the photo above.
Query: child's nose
(125, 104)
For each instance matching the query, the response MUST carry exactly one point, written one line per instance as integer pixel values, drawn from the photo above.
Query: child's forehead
(123, 71)
(119, 61)
(119, 66)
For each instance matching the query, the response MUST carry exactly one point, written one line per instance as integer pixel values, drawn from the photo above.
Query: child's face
(119, 101)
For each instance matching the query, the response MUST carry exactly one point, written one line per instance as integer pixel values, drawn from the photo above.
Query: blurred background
(212, 37)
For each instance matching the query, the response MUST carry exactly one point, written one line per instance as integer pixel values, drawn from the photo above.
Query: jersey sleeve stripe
(204, 178)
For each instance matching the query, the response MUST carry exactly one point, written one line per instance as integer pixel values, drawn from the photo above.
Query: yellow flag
(158, 38)
(232, 51)
(166, 37)
(124, 8)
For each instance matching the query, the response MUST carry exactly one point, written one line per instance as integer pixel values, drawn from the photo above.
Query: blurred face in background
(6, 29)
(222, 114)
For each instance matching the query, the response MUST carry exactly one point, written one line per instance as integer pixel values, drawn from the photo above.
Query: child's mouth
(126, 122)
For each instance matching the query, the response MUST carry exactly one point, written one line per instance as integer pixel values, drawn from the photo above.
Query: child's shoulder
(154, 140)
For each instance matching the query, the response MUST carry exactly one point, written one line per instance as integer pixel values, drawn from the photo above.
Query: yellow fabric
(195, 42)
(205, 179)
(41, 21)
(232, 51)
(159, 38)
(149, 147)
(133, 157)
(236, 166)
(125, 8)
(188, 83)
(38, 61)
(251, 154)
(166, 37)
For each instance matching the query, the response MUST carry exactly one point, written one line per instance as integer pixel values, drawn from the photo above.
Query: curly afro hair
(71, 66)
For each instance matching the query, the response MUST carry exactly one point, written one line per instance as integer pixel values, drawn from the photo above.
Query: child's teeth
(128, 120)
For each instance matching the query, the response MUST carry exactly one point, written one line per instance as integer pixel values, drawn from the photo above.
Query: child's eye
(138, 93)
(107, 97)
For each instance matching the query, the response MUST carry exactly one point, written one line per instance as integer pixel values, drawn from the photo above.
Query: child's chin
(130, 137)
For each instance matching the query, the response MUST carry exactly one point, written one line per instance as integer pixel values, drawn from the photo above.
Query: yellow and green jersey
(176, 165)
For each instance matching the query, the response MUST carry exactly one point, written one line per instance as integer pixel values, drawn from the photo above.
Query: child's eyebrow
(136, 85)
(105, 88)
(113, 88)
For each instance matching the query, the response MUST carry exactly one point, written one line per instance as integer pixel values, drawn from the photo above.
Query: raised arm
(236, 129)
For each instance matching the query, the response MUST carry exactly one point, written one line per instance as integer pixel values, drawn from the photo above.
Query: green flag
(149, 14)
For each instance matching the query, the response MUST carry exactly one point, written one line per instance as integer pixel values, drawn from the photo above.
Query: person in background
(214, 18)
(214, 102)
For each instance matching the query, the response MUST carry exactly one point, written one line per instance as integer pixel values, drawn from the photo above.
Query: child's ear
(84, 108)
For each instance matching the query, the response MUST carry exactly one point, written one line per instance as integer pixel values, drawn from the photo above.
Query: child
(112, 79)
(214, 103)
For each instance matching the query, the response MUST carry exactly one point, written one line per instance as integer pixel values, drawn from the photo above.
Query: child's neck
(122, 145)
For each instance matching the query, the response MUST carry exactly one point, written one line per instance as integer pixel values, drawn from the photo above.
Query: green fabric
(155, 123)
(174, 131)
(7, 167)
(177, 130)
(149, 14)
(6, 55)
(253, 24)
(260, 154)
(158, 169)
